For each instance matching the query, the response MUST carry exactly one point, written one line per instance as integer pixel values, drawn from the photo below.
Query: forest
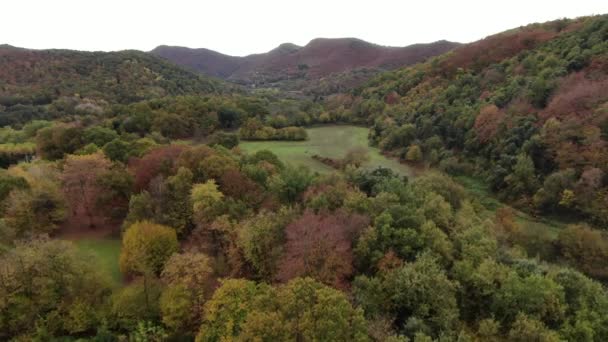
(130, 211)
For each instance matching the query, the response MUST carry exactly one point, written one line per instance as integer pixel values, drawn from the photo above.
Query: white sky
(241, 27)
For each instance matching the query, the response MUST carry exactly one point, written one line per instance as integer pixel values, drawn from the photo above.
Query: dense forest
(217, 244)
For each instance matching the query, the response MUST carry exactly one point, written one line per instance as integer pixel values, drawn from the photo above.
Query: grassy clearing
(480, 192)
(327, 141)
(107, 251)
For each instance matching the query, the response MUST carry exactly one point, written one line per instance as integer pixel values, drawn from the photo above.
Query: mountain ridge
(319, 58)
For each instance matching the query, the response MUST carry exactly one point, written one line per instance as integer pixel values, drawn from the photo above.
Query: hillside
(33, 78)
(318, 59)
(526, 110)
(123, 76)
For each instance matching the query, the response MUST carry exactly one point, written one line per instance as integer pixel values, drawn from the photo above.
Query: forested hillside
(526, 110)
(130, 210)
(38, 84)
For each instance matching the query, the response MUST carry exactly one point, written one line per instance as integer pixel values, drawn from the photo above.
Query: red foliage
(487, 122)
(152, 164)
(235, 184)
(391, 98)
(321, 246)
(576, 97)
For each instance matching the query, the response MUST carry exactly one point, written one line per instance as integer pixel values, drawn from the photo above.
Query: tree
(261, 239)
(115, 187)
(533, 295)
(158, 161)
(526, 329)
(37, 210)
(319, 246)
(584, 248)
(117, 150)
(80, 182)
(146, 247)
(205, 199)
(135, 303)
(55, 141)
(291, 182)
(188, 279)
(522, 181)
(99, 135)
(356, 157)
(237, 185)
(50, 283)
(175, 207)
(414, 153)
(227, 140)
(302, 310)
(418, 295)
(229, 307)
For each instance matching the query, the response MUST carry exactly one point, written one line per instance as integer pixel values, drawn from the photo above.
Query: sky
(248, 26)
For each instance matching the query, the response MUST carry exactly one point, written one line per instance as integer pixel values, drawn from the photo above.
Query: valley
(336, 191)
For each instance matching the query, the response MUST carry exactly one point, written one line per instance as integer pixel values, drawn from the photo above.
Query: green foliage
(134, 303)
(291, 182)
(146, 247)
(253, 129)
(300, 310)
(261, 239)
(206, 200)
(419, 296)
(49, 282)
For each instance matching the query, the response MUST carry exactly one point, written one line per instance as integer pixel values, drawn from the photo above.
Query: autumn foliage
(320, 246)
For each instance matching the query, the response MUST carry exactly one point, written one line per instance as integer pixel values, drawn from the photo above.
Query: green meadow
(327, 141)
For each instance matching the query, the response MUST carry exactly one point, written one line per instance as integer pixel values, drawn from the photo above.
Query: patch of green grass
(107, 251)
(332, 141)
(481, 193)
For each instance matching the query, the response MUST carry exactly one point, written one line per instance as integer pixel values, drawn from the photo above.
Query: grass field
(106, 250)
(481, 193)
(328, 141)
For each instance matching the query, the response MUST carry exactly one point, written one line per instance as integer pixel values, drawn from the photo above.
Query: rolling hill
(319, 59)
(526, 110)
(40, 76)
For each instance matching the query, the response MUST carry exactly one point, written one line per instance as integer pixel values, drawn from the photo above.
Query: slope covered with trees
(44, 83)
(222, 245)
(526, 110)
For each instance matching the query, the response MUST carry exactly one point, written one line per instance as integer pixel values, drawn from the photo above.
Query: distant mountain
(41, 76)
(320, 58)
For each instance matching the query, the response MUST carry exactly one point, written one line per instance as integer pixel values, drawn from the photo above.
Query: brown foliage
(487, 122)
(495, 48)
(586, 248)
(321, 246)
(80, 182)
(155, 162)
(576, 98)
(235, 184)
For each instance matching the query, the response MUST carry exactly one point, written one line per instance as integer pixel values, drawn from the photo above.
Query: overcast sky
(249, 26)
